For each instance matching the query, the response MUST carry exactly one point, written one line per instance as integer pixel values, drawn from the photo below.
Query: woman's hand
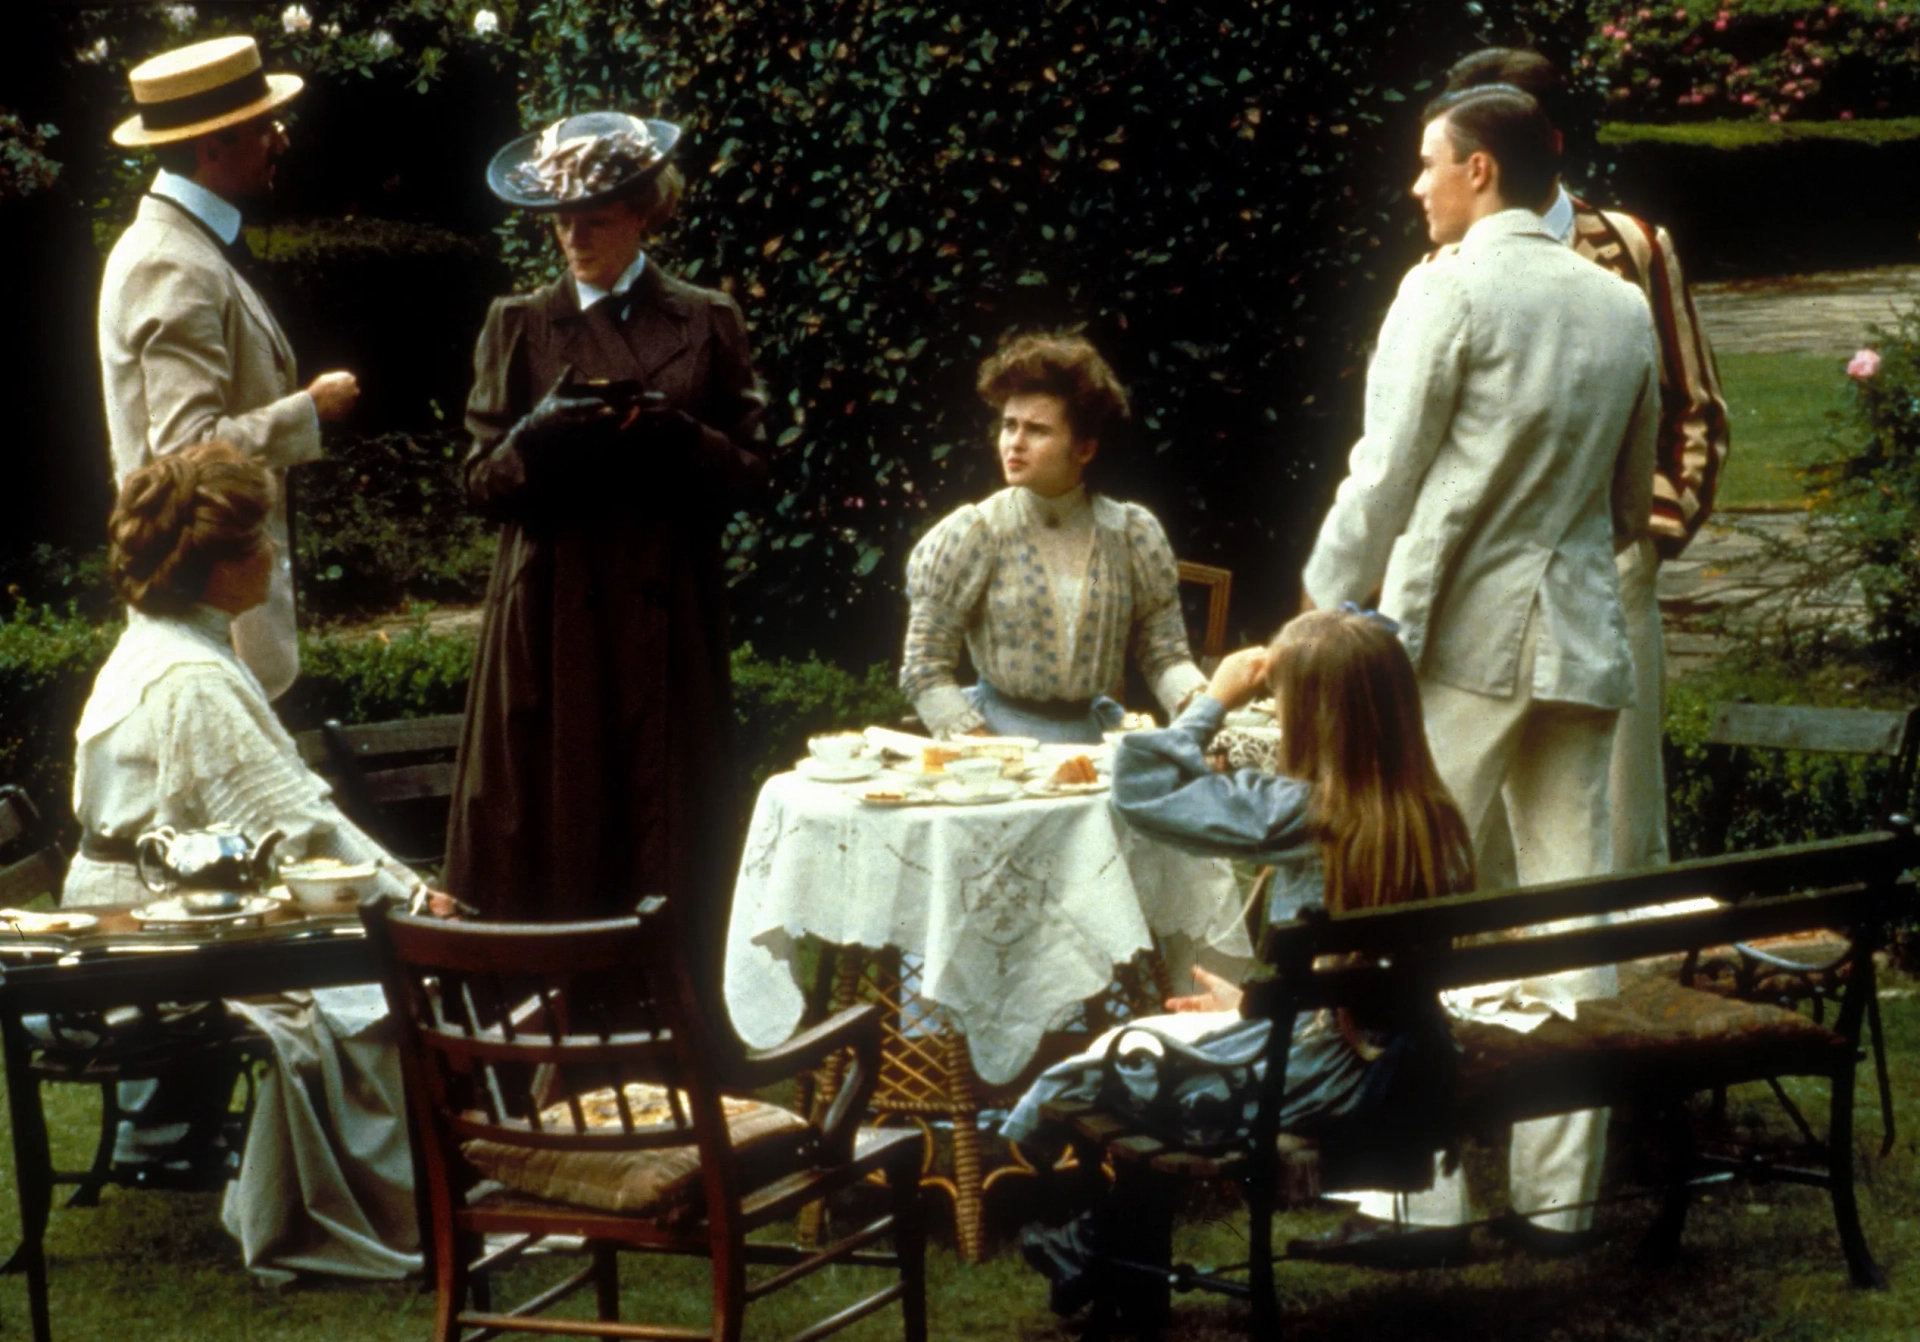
(1215, 994)
(558, 416)
(1239, 678)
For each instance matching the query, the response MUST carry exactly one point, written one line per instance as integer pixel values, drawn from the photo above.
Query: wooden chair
(29, 875)
(126, 1045)
(568, 1064)
(1815, 970)
(1219, 585)
(393, 779)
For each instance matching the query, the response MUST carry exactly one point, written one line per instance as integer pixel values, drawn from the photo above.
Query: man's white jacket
(1511, 414)
(189, 352)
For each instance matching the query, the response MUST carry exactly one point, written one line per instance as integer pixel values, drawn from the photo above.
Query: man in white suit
(1508, 452)
(188, 349)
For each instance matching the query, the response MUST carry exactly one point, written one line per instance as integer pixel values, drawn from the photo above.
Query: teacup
(836, 748)
(975, 774)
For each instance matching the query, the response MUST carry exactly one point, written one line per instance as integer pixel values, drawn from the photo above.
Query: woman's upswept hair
(1351, 727)
(1063, 365)
(178, 516)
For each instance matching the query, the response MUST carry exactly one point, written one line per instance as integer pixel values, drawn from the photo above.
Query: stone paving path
(1741, 568)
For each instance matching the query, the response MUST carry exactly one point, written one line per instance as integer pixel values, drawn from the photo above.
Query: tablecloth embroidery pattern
(1019, 910)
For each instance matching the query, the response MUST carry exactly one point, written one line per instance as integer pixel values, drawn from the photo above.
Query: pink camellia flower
(1680, 14)
(1846, 116)
(1720, 24)
(1864, 364)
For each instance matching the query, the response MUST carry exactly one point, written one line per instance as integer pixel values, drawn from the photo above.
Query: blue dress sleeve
(1163, 786)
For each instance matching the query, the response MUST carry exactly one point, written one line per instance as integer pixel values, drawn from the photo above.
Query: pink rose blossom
(1846, 116)
(1864, 364)
(1720, 24)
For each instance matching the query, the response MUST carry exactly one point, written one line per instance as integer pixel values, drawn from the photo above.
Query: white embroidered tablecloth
(1019, 909)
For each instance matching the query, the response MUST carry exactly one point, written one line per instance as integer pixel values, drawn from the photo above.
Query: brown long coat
(595, 766)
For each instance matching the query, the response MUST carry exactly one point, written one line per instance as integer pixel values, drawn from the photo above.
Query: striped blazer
(1694, 438)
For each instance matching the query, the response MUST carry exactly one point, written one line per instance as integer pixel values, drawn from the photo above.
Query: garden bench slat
(1653, 1046)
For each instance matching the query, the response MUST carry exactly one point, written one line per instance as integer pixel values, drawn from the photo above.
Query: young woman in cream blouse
(1048, 586)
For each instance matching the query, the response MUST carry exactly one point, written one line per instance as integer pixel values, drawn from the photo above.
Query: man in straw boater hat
(188, 349)
(615, 418)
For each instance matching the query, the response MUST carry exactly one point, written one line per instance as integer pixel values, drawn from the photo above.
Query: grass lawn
(1757, 1262)
(1778, 405)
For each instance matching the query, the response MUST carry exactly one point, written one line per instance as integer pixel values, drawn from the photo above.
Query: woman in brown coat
(615, 417)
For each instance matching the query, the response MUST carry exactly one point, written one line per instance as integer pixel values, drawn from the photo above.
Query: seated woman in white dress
(1047, 586)
(178, 732)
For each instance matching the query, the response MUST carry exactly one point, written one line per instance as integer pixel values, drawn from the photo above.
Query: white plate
(952, 791)
(173, 913)
(853, 771)
(1046, 787)
(52, 922)
(896, 797)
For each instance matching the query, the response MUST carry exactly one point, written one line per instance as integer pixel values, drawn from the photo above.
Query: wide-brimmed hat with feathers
(581, 160)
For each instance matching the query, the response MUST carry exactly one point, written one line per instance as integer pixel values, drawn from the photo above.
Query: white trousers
(1549, 763)
(1637, 784)
(1639, 779)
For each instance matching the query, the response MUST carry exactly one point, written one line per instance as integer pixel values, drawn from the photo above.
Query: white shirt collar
(211, 210)
(1558, 217)
(589, 295)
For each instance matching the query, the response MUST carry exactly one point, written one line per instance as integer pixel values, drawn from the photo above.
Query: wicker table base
(927, 1077)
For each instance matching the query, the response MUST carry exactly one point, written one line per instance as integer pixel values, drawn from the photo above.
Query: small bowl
(328, 885)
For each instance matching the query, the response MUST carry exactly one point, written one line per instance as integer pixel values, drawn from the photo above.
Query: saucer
(853, 771)
(174, 914)
(951, 791)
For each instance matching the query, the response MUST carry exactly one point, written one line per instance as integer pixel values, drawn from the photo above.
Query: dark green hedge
(1216, 190)
(48, 660)
(1764, 198)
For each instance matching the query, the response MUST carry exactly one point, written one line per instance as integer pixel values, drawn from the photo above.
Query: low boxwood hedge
(48, 660)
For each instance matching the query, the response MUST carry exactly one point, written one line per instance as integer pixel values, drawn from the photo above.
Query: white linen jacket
(1508, 451)
(189, 352)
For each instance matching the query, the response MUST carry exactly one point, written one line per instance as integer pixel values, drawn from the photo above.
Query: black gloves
(558, 418)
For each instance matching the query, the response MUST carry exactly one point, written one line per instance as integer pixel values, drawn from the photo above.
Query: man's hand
(334, 394)
(1240, 677)
(1215, 994)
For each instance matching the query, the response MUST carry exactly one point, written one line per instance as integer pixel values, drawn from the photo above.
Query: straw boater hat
(581, 160)
(200, 88)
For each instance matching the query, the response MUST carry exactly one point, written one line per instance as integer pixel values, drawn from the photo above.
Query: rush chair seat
(560, 1083)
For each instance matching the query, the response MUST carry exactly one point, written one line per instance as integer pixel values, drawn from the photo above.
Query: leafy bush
(778, 704)
(397, 303)
(1867, 508)
(1783, 796)
(24, 165)
(1768, 59)
(49, 657)
(383, 521)
(1216, 191)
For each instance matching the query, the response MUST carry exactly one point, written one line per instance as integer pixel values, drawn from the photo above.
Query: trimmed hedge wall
(1763, 198)
(48, 660)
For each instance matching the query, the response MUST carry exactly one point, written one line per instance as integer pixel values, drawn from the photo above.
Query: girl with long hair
(1354, 817)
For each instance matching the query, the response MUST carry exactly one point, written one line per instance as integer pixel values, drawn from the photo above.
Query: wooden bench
(1651, 1048)
(393, 779)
